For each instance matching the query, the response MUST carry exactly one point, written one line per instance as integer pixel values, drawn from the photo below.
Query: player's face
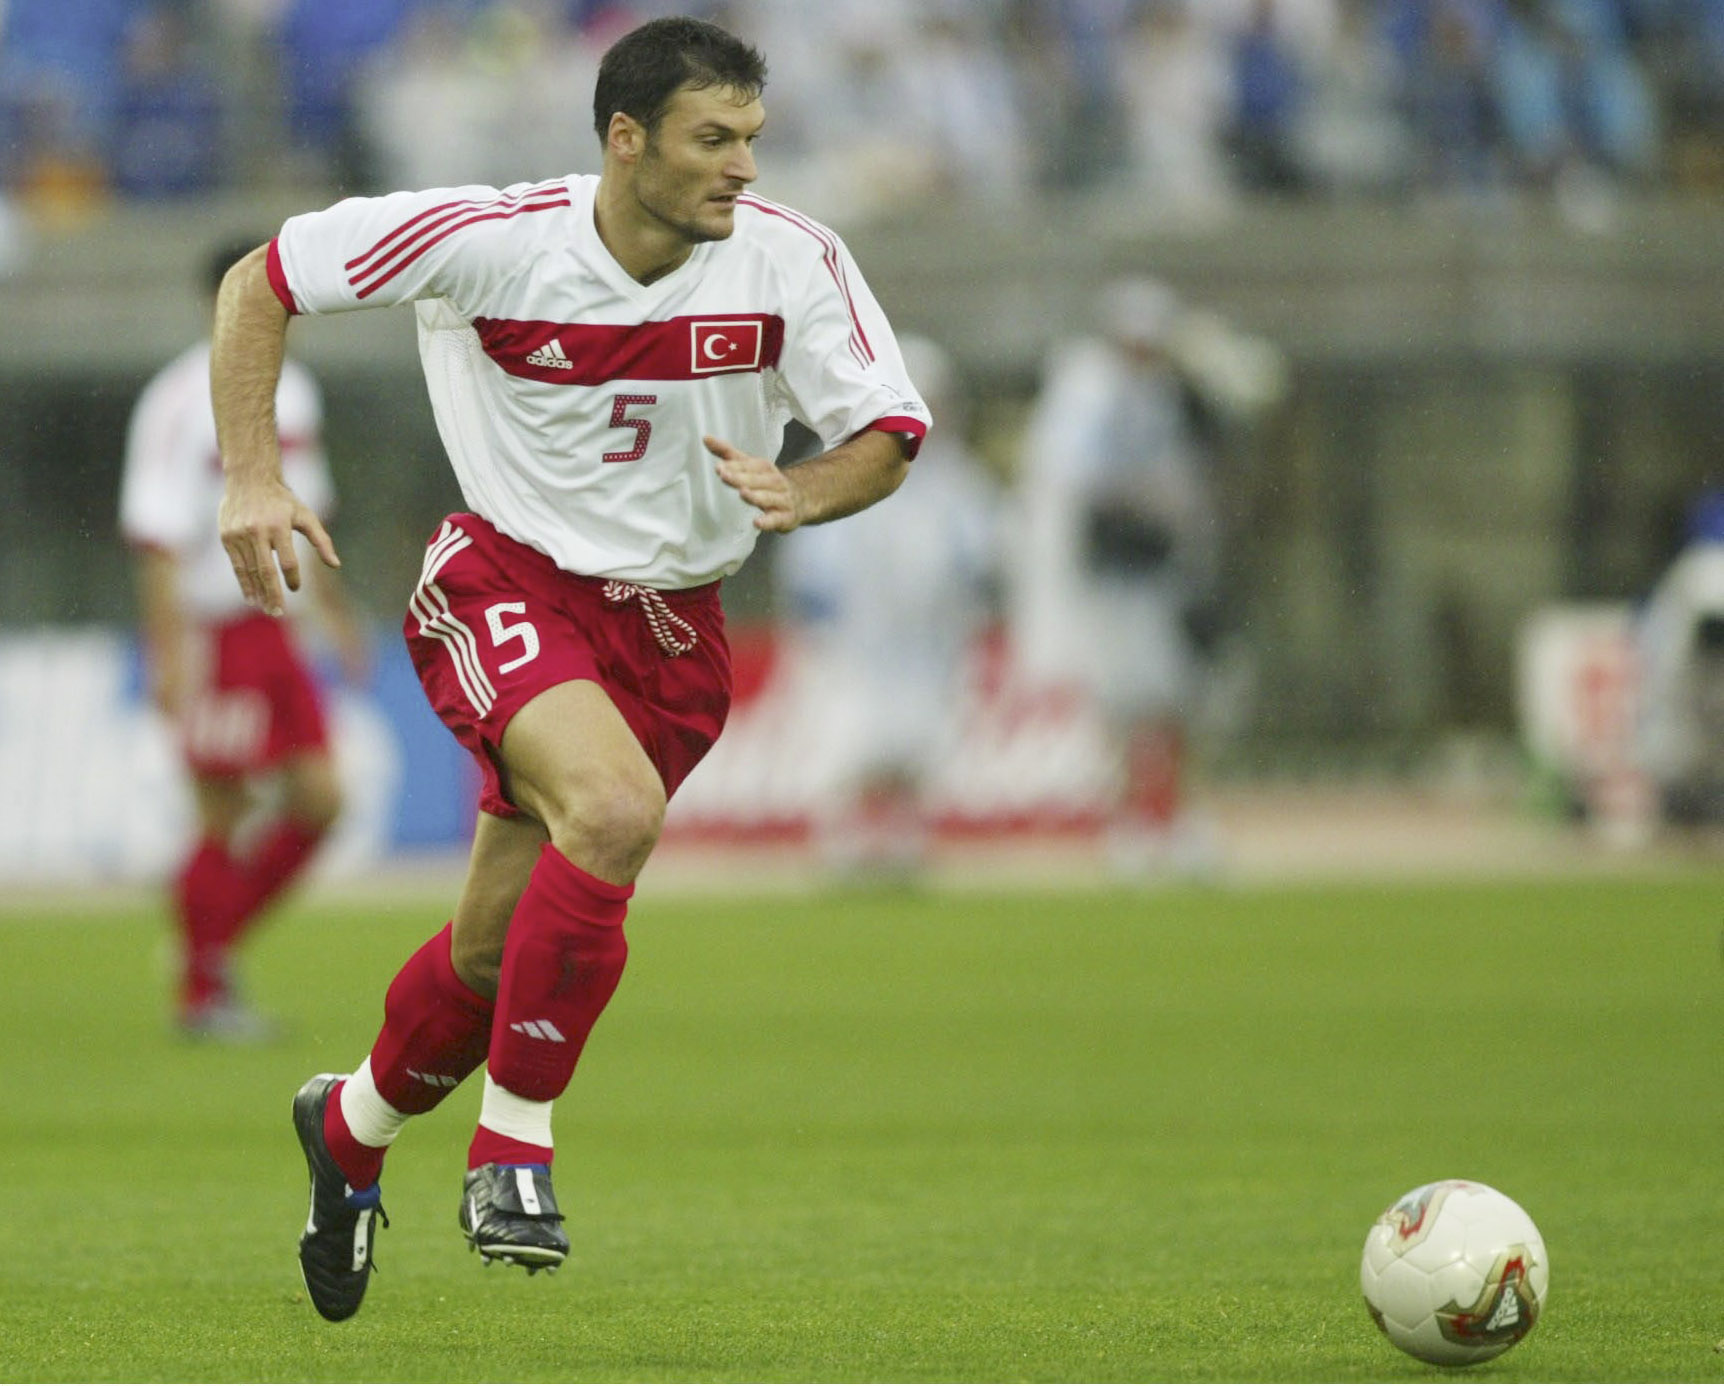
(697, 161)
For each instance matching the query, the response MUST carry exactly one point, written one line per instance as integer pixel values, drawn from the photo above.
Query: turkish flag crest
(725, 346)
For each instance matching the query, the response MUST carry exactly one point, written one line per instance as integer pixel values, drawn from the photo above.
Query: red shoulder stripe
(369, 281)
(834, 262)
(501, 200)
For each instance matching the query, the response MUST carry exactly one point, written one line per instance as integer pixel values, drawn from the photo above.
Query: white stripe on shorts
(439, 623)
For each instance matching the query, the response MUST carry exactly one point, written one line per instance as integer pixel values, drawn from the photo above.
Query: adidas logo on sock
(551, 354)
(435, 1080)
(539, 1030)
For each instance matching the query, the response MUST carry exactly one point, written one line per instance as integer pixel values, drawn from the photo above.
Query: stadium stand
(1185, 101)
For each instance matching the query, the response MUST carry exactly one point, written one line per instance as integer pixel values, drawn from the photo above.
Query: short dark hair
(647, 66)
(223, 256)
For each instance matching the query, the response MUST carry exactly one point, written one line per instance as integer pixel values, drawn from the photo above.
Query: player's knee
(320, 810)
(612, 826)
(628, 817)
(314, 797)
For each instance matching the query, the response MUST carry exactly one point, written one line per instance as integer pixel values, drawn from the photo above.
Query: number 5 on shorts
(520, 630)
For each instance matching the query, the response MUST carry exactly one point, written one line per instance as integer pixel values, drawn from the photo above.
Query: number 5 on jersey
(620, 406)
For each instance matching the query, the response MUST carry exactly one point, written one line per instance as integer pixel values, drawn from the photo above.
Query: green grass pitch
(1041, 1136)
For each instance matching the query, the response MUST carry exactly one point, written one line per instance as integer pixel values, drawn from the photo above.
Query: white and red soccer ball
(1454, 1273)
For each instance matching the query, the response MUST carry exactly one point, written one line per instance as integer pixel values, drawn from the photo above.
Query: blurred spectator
(1574, 103)
(1682, 682)
(1268, 89)
(885, 609)
(1683, 44)
(72, 50)
(1114, 580)
(462, 97)
(1351, 137)
(846, 106)
(59, 73)
(1173, 79)
(1447, 91)
(1071, 46)
(425, 110)
(966, 107)
(167, 141)
(324, 45)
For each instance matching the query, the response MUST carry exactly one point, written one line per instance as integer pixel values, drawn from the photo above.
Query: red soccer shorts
(494, 623)
(253, 701)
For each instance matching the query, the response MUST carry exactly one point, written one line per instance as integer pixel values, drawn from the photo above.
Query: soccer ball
(1454, 1273)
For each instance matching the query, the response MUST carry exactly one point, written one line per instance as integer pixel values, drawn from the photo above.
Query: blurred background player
(1114, 579)
(1682, 675)
(243, 697)
(884, 610)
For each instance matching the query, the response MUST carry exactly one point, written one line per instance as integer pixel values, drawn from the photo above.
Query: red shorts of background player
(252, 702)
(494, 623)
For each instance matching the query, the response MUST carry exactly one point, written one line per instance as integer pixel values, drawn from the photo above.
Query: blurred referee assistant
(242, 696)
(612, 361)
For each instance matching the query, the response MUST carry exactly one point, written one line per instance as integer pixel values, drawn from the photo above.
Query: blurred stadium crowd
(1190, 102)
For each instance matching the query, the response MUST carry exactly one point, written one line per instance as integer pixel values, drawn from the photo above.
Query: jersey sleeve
(158, 487)
(841, 364)
(371, 252)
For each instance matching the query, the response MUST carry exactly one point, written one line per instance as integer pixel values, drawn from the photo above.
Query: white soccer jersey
(172, 483)
(572, 399)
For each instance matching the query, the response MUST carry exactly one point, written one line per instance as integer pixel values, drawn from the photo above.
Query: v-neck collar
(610, 269)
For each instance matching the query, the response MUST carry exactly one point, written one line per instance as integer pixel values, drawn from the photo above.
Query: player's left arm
(845, 378)
(845, 479)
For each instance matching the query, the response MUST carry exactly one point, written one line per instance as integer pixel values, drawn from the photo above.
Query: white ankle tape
(515, 1117)
(371, 1119)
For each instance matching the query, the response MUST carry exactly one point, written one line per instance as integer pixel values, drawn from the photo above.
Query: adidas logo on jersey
(551, 354)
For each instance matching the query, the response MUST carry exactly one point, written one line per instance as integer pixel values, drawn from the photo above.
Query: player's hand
(761, 483)
(258, 521)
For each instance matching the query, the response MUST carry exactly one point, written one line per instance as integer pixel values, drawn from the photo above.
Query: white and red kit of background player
(250, 699)
(572, 401)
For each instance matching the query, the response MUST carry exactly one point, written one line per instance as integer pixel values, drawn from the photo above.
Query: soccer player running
(244, 700)
(611, 361)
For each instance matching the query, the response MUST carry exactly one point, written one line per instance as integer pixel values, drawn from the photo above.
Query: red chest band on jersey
(681, 348)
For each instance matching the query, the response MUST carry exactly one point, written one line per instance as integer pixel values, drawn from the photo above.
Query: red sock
(278, 858)
(562, 962)
(362, 1165)
(1155, 771)
(209, 894)
(489, 1148)
(436, 1030)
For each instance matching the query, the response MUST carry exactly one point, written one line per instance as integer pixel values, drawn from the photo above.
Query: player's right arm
(362, 252)
(259, 514)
